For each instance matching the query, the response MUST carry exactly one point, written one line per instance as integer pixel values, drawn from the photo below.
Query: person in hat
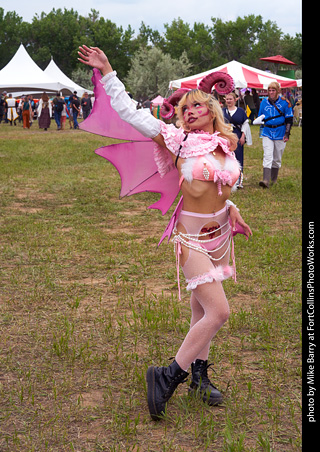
(202, 150)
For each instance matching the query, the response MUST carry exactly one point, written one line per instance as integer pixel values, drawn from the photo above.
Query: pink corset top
(208, 168)
(197, 149)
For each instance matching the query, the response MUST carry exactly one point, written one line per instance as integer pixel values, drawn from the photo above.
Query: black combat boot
(162, 382)
(201, 384)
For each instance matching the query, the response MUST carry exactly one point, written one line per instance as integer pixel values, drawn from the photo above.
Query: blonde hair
(232, 94)
(276, 86)
(219, 124)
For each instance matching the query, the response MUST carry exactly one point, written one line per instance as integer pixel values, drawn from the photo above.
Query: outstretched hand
(94, 57)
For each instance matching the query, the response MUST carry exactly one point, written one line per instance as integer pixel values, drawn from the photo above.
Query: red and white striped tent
(243, 76)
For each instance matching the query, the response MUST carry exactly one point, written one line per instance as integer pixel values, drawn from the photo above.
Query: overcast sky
(286, 14)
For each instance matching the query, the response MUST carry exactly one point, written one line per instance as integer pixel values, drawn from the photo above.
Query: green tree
(202, 52)
(55, 35)
(148, 37)
(197, 42)
(176, 38)
(116, 42)
(245, 39)
(12, 33)
(83, 78)
(151, 70)
(59, 34)
(291, 48)
(268, 44)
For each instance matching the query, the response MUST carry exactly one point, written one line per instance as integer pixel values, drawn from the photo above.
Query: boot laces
(203, 371)
(173, 384)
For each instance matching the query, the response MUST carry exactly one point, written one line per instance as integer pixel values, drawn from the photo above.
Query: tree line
(180, 50)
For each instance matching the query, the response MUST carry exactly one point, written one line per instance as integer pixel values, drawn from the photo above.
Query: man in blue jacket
(278, 119)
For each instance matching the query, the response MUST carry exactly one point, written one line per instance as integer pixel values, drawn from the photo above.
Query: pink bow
(223, 177)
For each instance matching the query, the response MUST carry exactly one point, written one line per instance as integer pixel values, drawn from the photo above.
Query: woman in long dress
(44, 112)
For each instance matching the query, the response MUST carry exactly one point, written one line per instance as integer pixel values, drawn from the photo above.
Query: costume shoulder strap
(178, 155)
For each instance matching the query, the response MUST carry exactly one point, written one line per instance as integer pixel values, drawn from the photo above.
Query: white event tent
(244, 77)
(54, 72)
(23, 75)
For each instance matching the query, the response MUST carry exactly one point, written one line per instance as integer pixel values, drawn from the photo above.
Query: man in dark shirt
(75, 105)
(58, 107)
(86, 105)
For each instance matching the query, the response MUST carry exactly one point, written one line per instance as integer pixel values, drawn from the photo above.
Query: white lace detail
(219, 273)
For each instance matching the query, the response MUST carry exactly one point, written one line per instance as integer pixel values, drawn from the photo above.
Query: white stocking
(210, 310)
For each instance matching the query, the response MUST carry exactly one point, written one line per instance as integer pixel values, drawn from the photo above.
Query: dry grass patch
(88, 301)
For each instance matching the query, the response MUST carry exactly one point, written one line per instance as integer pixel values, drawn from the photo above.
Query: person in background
(75, 105)
(19, 107)
(86, 105)
(277, 116)
(147, 104)
(237, 117)
(58, 103)
(297, 112)
(256, 100)
(248, 98)
(26, 112)
(70, 114)
(44, 112)
(32, 108)
(65, 112)
(11, 105)
(3, 107)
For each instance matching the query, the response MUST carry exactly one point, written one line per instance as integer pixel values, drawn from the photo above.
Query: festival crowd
(26, 109)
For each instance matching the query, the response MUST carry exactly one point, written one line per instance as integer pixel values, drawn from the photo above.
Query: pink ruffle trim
(219, 273)
(163, 160)
(201, 143)
(172, 138)
(197, 143)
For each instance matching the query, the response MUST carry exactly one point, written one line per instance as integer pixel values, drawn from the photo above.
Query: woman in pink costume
(202, 150)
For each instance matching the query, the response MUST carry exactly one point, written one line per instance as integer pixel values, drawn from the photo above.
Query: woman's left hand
(237, 218)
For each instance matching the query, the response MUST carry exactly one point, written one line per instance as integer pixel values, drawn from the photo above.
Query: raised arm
(141, 120)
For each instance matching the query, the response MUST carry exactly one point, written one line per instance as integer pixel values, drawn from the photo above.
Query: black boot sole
(151, 395)
(205, 397)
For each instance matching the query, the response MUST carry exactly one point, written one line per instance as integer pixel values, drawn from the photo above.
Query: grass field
(88, 302)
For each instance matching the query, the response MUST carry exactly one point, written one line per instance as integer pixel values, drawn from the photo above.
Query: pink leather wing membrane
(138, 172)
(134, 159)
(103, 120)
